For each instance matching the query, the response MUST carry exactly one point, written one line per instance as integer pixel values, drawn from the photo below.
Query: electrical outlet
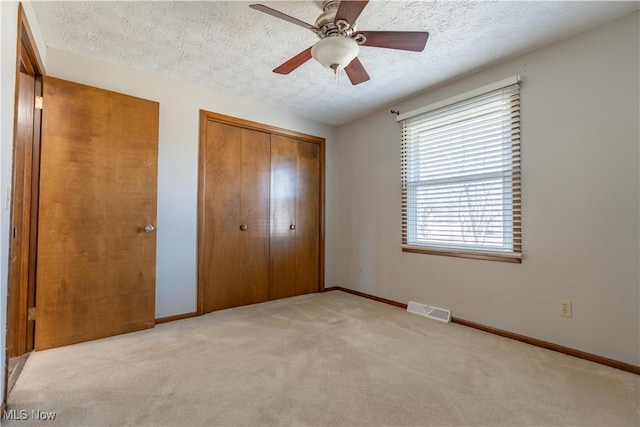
(361, 270)
(565, 308)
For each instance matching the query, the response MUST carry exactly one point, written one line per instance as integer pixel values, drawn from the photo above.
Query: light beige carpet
(322, 359)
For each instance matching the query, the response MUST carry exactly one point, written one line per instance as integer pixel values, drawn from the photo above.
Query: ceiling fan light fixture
(335, 52)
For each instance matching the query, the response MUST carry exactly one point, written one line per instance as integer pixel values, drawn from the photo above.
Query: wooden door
(234, 216)
(98, 180)
(295, 217)
(20, 218)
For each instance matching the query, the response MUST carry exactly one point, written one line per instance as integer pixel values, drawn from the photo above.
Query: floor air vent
(435, 313)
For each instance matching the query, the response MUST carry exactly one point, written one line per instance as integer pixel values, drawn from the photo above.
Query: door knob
(243, 227)
(149, 228)
(292, 227)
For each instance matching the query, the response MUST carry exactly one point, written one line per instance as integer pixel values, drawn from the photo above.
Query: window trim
(481, 253)
(463, 96)
(459, 253)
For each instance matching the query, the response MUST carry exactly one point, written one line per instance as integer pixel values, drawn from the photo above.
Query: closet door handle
(292, 227)
(243, 227)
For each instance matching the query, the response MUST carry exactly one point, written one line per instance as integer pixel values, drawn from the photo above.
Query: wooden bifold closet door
(260, 213)
(236, 208)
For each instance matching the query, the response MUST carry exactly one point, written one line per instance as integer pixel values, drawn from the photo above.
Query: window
(460, 168)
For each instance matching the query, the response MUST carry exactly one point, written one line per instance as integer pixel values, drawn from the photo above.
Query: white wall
(580, 151)
(178, 164)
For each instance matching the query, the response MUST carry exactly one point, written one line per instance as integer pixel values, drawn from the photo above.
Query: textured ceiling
(229, 47)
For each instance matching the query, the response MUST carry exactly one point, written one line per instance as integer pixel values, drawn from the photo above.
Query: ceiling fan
(340, 40)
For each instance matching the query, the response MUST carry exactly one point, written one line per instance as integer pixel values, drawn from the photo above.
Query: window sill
(463, 254)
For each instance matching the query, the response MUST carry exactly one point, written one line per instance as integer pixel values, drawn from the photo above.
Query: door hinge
(38, 102)
(31, 313)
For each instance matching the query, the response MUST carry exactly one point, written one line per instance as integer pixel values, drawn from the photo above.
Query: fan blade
(356, 72)
(294, 62)
(349, 10)
(278, 14)
(403, 40)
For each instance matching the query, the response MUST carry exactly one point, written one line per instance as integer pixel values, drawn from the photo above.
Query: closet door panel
(221, 183)
(307, 236)
(284, 168)
(253, 263)
(295, 204)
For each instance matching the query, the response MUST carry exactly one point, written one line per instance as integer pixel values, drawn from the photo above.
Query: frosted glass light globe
(335, 52)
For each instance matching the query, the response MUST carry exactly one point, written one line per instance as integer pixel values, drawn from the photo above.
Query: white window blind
(460, 168)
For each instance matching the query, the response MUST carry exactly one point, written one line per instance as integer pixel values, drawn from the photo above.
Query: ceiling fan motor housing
(328, 25)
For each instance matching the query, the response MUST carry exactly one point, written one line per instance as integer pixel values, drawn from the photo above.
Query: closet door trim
(205, 117)
(247, 124)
